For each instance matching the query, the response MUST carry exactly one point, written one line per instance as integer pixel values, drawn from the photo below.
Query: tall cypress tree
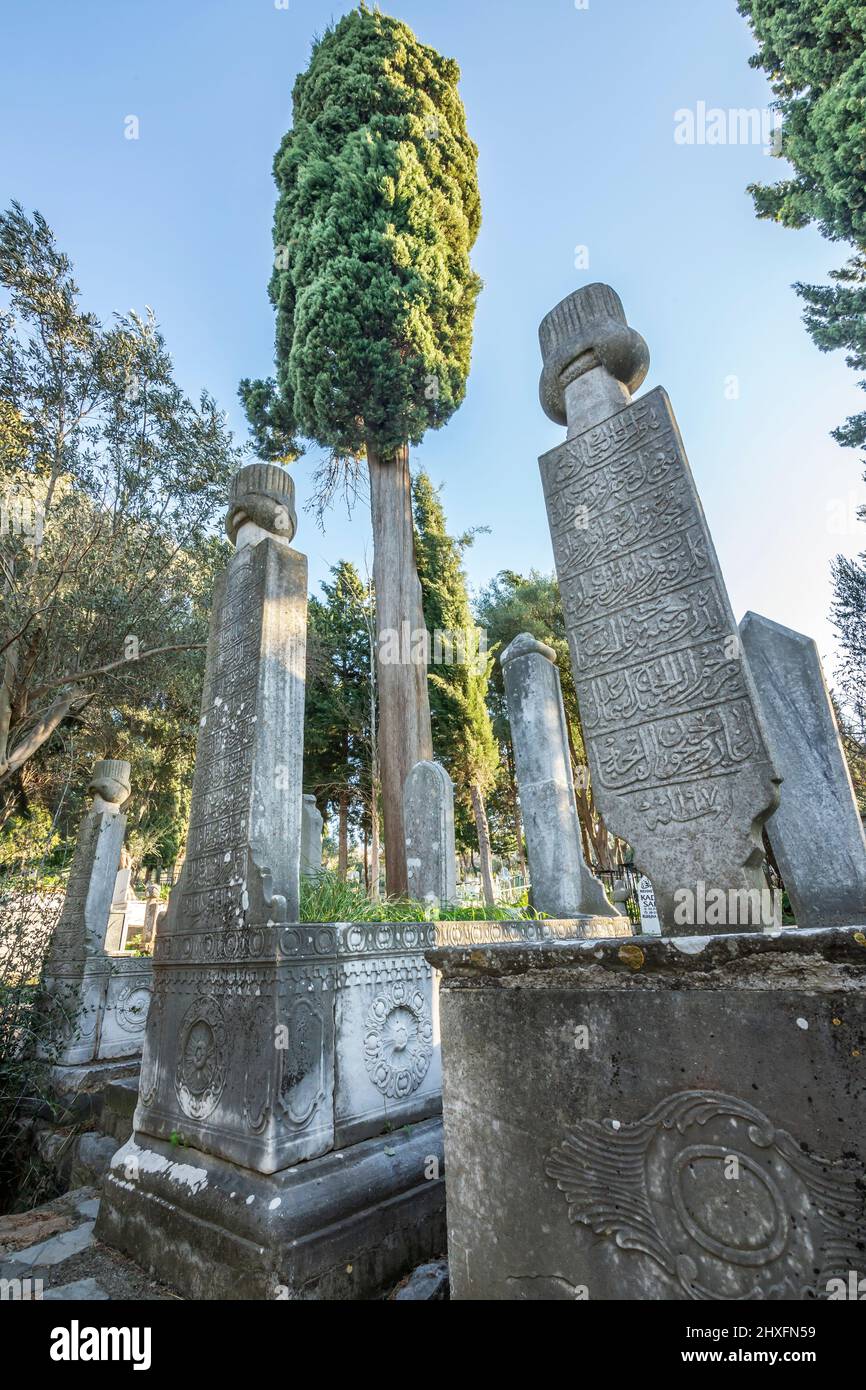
(462, 732)
(377, 212)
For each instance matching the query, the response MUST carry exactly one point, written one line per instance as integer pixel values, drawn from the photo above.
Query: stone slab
(660, 1119)
(343, 1226)
(816, 833)
(675, 742)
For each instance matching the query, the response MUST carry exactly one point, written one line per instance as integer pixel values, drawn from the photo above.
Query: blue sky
(573, 111)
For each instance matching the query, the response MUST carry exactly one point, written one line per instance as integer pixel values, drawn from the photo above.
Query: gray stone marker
(211, 1069)
(720, 1158)
(562, 884)
(428, 815)
(675, 742)
(100, 1001)
(287, 1140)
(311, 838)
(816, 834)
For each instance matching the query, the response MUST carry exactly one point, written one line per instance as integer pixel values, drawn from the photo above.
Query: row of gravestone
(273, 1047)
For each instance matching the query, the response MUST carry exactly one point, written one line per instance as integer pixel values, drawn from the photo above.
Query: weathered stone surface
(428, 816)
(346, 1225)
(662, 1119)
(675, 742)
(816, 834)
(100, 1001)
(239, 1053)
(561, 883)
(311, 838)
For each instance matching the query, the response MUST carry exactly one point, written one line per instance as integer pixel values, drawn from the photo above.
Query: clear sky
(573, 111)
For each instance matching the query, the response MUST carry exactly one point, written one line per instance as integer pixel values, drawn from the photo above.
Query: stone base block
(346, 1225)
(656, 1119)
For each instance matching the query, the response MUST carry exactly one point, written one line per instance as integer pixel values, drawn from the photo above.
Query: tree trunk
(404, 708)
(343, 834)
(484, 855)
(374, 846)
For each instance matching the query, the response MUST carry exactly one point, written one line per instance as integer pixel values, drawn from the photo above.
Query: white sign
(646, 900)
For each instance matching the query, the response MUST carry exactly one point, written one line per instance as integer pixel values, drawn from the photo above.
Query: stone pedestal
(562, 884)
(816, 834)
(99, 1000)
(428, 816)
(673, 733)
(669, 1119)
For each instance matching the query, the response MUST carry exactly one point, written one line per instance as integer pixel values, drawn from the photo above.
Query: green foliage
(327, 898)
(27, 840)
(463, 736)
(814, 52)
(129, 476)
(377, 212)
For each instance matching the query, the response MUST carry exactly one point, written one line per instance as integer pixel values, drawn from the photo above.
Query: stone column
(428, 815)
(229, 969)
(78, 941)
(675, 741)
(816, 834)
(561, 883)
(311, 838)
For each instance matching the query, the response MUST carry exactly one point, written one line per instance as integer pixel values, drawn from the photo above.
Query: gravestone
(562, 884)
(719, 1156)
(646, 901)
(674, 736)
(816, 834)
(286, 1141)
(311, 838)
(99, 1001)
(428, 816)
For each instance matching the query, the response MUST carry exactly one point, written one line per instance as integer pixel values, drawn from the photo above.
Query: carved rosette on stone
(230, 967)
(674, 738)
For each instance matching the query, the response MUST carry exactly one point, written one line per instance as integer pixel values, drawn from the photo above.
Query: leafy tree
(376, 214)
(110, 480)
(462, 732)
(511, 604)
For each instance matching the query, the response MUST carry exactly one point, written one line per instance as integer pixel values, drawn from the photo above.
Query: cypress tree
(376, 214)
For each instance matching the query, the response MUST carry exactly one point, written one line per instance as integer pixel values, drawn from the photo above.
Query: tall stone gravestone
(721, 1157)
(816, 834)
(272, 1042)
(222, 982)
(428, 816)
(99, 1000)
(674, 737)
(561, 883)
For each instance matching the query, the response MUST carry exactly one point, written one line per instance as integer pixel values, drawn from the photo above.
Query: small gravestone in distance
(78, 970)
(816, 834)
(561, 883)
(311, 838)
(646, 901)
(431, 857)
(673, 733)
